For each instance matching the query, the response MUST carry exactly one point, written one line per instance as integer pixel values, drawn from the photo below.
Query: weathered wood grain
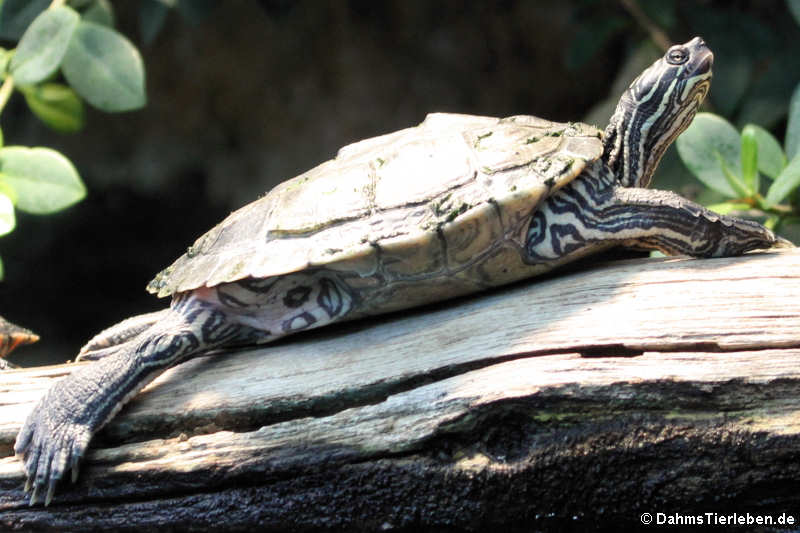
(592, 394)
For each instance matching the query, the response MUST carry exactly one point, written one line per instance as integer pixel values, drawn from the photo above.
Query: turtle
(11, 337)
(452, 206)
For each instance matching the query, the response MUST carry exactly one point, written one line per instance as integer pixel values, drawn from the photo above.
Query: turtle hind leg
(283, 305)
(107, 341)
(278, 305)
(58, 430)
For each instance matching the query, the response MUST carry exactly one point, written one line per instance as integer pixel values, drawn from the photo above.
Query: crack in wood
(520, 402)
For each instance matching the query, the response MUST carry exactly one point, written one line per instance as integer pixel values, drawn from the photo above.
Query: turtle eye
(677, 55)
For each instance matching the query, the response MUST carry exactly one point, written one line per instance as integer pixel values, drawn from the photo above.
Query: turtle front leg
(665, 221)
(587, 216)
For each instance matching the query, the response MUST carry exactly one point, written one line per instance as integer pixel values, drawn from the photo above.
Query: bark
(578, 401)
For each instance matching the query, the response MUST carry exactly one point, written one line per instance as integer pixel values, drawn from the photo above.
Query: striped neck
(654, 110)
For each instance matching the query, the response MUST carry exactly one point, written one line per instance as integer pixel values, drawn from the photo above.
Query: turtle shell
(385, 202)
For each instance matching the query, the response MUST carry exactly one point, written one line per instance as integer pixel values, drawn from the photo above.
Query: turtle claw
(44, 473)
(76, 460)
(51, 487)
(34, 496)
(44, 468)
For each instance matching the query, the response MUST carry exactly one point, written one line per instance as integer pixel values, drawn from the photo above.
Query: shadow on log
(576, 402)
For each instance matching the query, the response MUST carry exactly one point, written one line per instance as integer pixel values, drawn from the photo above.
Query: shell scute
(407, 205)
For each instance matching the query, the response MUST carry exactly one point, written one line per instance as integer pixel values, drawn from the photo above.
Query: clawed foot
(52, 441)
(57, 432)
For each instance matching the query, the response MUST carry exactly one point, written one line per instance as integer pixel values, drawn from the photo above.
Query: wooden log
(581, 400)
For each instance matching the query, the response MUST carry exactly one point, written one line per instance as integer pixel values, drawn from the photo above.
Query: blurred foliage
(733, 164)
(68, 53)
(756, 44)
(153, 14)
(98, 64)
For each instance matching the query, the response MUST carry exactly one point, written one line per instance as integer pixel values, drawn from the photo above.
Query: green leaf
(786, 182)
(770, 88)
(793, 126)
(9, 191)
(195, 11)
(733, 180)
(17, 15)
(726, 208)
(771, 160)
(152, 16)
(44, 180)
(709, 139)
(5, 58)
(2, 270)
(7, 219)
(749, 160)
(1, 138)
(664, 14)
(590, 37)
(794, 7)
(100, 12)
(105, 68)
(43, 45)
(56, 105)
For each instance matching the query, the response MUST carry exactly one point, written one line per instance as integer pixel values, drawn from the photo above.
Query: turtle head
(654, 110)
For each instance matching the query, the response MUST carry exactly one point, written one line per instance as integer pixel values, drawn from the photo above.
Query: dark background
(252, 93)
